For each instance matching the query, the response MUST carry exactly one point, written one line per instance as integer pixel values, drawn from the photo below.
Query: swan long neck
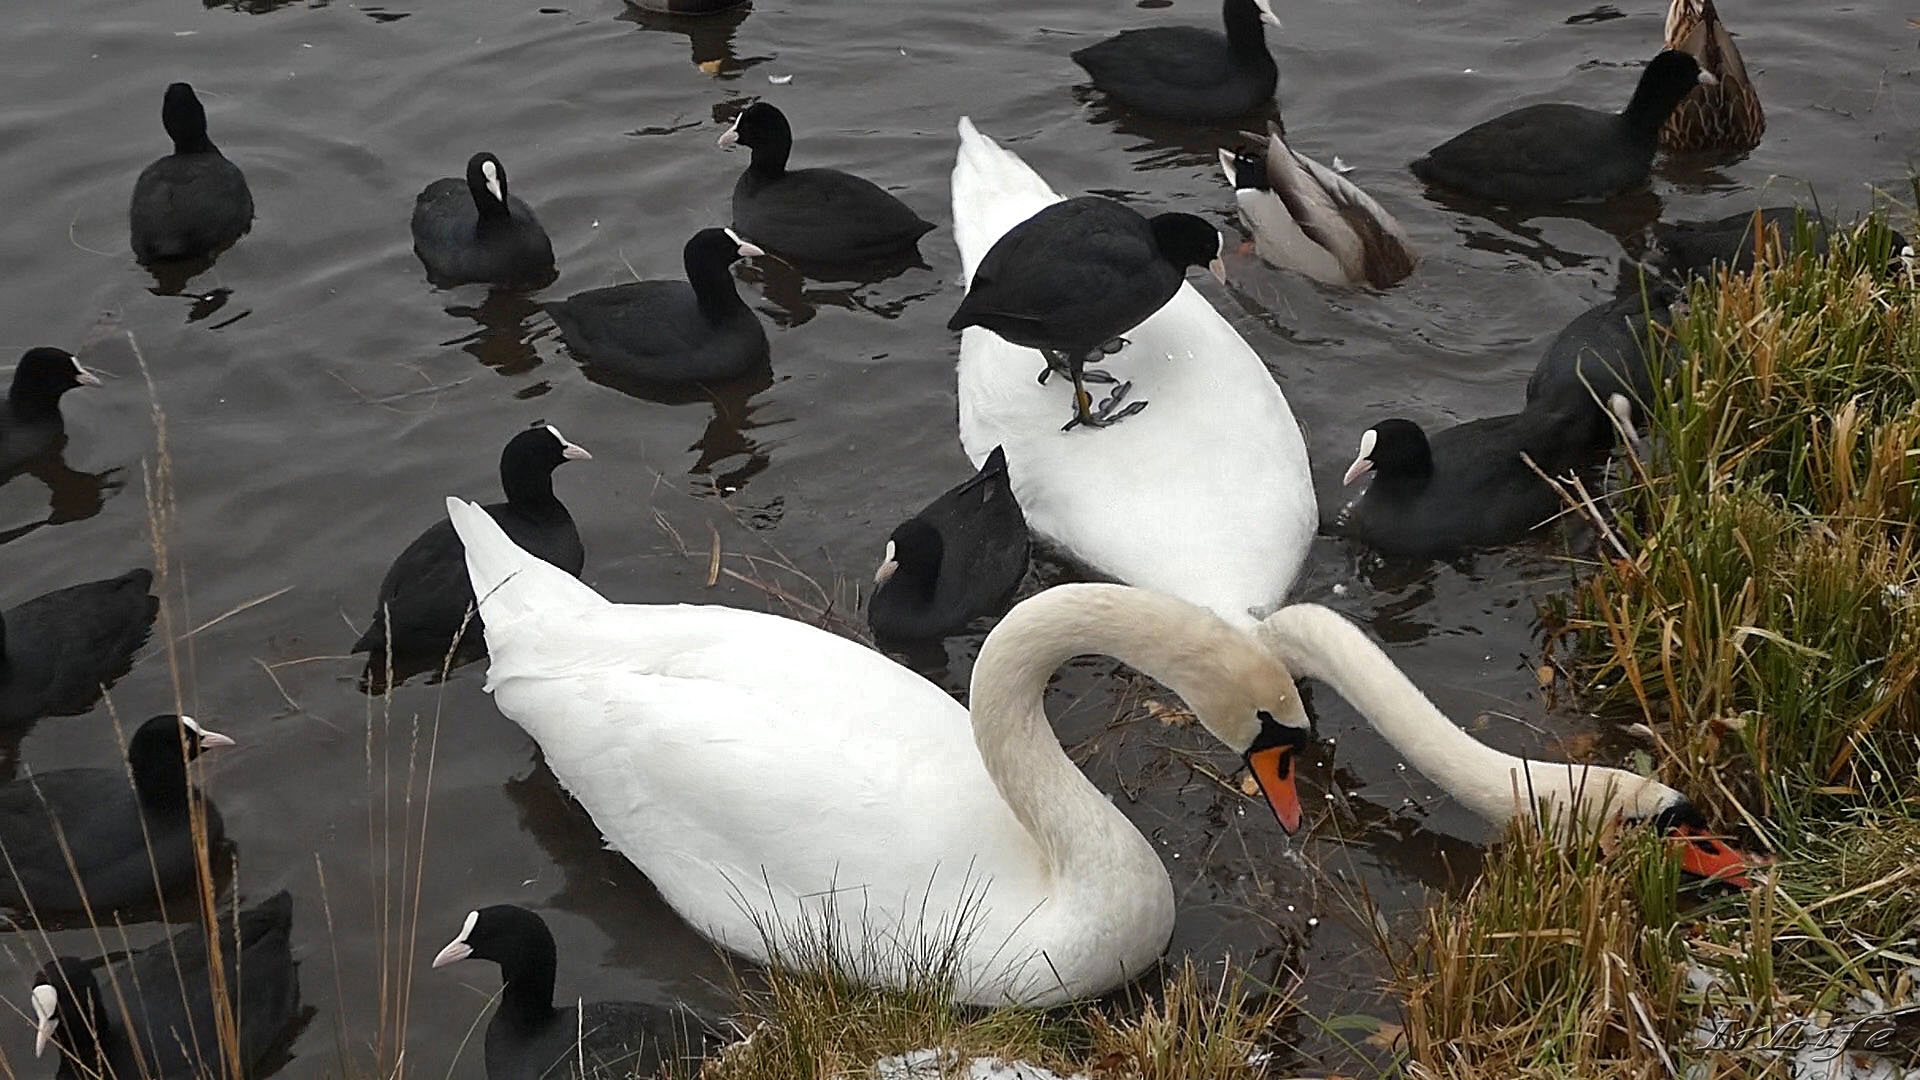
(1314, 642)
(1076, 826)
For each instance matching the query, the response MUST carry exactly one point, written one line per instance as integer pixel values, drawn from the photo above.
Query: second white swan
(775, 781)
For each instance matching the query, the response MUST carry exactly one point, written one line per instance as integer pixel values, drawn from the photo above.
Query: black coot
(1466, 487)
(667, 333)
(30, 421)
(426, 594)
(194, 202)
(1597, 370)
(59, 649)
(476, 230)
(960, 558)
(812, 216)
(165, 1029)
(1557, 153)
(528, 1038)
(1074, 277)
(121, 839)
(1187, 73)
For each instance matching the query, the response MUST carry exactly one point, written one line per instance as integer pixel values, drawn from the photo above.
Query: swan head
(1603, 795)
(1186, 240)
(1247, 699)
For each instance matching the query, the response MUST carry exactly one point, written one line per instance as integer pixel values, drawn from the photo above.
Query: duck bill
(1272, 769)
(1704, 856)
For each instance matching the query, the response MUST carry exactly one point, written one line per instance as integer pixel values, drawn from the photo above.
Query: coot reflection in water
(709, 37)
(503, 341)
(71, 495)
(784, 285)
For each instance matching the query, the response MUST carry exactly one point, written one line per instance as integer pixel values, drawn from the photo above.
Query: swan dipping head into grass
(789, 790)
(1317, 643)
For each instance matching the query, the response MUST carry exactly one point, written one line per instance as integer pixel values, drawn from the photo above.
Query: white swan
(1316, 643)
(1205, 496)
(770, 776)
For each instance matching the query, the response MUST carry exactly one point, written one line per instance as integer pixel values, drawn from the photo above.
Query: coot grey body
(1558, 153)
(426, 594)
(1597, 370)
(30, 420)
(528, 1038)
(1187, 73)
(1699, 248)
(169, 1001)
(59, 649)
(473, 229)
(194, 202)
(960, 558)
(1071, 279)
(815, 216)
(122, 838)
(1464, 488)
(670, 332)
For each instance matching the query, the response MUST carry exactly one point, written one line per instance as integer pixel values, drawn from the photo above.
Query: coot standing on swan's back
(473, 229)
(1557, 153)
(1187, 73)
(821, 216)
(1072, 278)
(193, 202)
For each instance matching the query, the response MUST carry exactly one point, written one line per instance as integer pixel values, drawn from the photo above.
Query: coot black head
(68, 1011)
(185, 120)
(154, 754)
(43, 375)
(507, 934)
(1250, 171)
(1392, 448)
(487, 179)
(763, 129)
(913, 555)
(528, 460)
(709, 253)
(1671, 76)
(1185, 240)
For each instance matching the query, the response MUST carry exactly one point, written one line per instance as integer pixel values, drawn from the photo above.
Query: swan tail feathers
(508, 582)
(993, 190)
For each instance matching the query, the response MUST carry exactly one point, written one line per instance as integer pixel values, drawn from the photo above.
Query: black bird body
(1699, 248)
(1464, 488)
(59, 649)
(1072, 277)
(426, 593)
(670, 332)
(1597, 368)
(958, 559)
(1560, 153)
(194, 202)
(473, 229)
(814, 216)
(530, 1039)
(121, 837)
(30, 420)
(1188, 73)
(169, 1002)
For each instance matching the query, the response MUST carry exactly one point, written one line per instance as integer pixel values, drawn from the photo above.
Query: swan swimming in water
(1316, 643)
(820, 787)
(1205, 496)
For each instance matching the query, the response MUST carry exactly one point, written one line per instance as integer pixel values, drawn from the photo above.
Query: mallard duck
(1722, 116)
(1307, 217)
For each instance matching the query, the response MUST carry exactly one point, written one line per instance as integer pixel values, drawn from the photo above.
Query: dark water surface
(320, 400)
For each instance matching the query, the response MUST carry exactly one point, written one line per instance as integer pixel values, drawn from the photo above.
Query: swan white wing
(754, 767)
(1205, 494)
